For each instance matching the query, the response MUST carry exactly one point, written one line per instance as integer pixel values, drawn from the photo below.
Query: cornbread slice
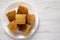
(12, 26)
(11, 15)
(30, 18)
(25, 29)
(22, 10)
(20, 18)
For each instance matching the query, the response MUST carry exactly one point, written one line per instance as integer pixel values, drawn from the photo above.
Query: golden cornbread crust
(20, 18)
(22, 10)
(12, 26)
(11, 15)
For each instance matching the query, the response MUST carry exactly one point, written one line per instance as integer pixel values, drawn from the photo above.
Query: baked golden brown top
(22, 10)
(11, 15)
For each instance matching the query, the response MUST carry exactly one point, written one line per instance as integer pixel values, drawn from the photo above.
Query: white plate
(31, 8)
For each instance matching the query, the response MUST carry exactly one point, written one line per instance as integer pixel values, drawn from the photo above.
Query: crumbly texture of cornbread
(30, 18)
(20, 18)
(12, 26)
(11, 15)
(22, 10)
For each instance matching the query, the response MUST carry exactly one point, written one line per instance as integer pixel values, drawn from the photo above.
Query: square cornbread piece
(22, 10)
(25, 29)
(30, 18)
(11, 15)
(12, 26)
(20, 18)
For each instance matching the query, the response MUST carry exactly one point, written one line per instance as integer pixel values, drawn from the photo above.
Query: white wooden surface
(49, 14)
